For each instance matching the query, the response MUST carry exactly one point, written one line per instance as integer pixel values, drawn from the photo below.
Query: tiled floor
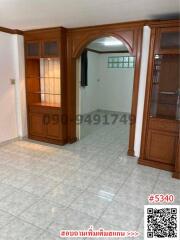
(45, 188)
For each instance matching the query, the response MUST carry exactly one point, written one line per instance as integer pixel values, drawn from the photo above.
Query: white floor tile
(91, 182)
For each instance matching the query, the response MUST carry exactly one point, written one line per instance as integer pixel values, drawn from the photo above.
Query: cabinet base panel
(72, 140)
(130, 153)
(176, 175)
(158, 165)
(48, 140)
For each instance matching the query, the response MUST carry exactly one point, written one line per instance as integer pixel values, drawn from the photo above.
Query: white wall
(8, 116)
(115, 86)
(108, 88)
(89, 96)
(12, 100)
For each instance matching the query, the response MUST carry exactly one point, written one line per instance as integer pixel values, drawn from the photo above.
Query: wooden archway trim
(131, 35)
(77, 50)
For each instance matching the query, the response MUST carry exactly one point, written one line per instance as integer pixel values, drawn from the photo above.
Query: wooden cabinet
(161, 127)
(46, 84)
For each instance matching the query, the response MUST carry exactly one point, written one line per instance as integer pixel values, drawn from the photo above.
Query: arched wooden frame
(90, 39)
(131, 35)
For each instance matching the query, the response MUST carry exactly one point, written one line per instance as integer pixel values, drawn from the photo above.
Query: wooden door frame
(77, 39)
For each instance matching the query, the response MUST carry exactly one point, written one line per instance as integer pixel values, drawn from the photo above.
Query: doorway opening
(105, 77)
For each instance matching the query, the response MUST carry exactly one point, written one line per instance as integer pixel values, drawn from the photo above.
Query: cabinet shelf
(163, 103)
(45, 104)
(45, 93)
(43, 77)
(163, 117)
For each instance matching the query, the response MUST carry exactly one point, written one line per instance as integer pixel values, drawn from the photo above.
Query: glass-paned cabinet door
(165, 97)
(169, 40)
(51, 48)
(44, 85)
(33, 49)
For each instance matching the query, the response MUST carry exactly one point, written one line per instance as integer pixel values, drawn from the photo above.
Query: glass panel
(131, 59)
(51, 48)
(166, 87)
(125, 65)
(131, 65)
(47, 91)
(170, 40)
(126, 59)
(121, 62)
(33, 49)
(50, 80)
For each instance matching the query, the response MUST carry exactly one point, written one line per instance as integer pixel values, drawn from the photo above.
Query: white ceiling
(99, 45)
(29, 14)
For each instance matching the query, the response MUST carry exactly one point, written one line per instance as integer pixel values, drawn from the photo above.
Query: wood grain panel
(36, 124)
(161, 147)
(164, 125)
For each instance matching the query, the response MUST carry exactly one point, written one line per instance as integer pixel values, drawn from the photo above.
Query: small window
(121, 62)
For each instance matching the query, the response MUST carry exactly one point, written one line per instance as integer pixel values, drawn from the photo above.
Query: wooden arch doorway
(131, 35)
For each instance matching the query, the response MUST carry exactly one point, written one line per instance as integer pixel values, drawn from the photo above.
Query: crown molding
(140, 23)
(11, 31)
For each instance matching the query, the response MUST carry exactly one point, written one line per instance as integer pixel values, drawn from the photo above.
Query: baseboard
(10, 141)
(111, 111)
(105, 111)
(48, 140)
(158, 165)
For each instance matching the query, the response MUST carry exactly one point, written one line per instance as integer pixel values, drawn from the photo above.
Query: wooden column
(176, 173)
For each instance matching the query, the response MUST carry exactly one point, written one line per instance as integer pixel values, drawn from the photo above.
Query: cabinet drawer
(164, 125)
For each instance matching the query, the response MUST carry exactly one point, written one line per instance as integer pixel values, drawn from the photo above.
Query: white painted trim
(19, 63)
(142, 87)
(78, 95)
